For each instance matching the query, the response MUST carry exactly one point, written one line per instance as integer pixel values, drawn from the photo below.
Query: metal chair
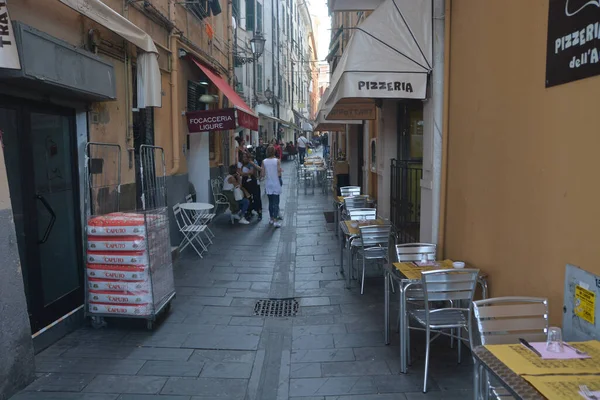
(409, 252)
(220, 199)
(308, 178)
(374, 245)
(347, 191)
(191, 232)
(328, 182)
(358, 214)
(445, 285)
(353, 202)
(414, 252)
(504, 320)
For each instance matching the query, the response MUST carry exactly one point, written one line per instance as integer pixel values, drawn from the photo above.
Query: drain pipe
(437, 80)
(175, 115)
(444, 164)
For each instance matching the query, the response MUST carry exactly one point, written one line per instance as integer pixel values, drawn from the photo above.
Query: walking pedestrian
(272, 173)
(302, 143)
(325, 144)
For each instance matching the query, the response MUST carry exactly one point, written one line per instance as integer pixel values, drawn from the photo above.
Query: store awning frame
(322, 124)
(384, 63)
(245, 117)
(148, 72)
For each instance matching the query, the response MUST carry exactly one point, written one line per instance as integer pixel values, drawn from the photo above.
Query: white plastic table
(196, 206)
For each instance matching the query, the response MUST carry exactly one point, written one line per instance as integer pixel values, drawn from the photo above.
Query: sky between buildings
(319, 9)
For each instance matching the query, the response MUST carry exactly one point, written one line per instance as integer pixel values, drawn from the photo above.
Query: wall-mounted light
(208, 98)
(203, 83)
(182, 53)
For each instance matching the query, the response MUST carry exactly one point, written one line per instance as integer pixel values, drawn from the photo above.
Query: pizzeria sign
(573, 44)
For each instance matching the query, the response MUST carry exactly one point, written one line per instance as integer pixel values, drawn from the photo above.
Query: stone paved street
(211, 346)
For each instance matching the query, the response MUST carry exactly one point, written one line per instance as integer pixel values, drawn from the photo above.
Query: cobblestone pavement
(211, 346)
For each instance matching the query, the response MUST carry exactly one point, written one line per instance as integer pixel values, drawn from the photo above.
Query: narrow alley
(212, 346)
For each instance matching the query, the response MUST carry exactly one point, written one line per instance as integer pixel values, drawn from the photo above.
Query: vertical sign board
(9, 55)
(573, 43)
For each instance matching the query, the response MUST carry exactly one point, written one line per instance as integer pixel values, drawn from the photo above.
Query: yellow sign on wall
(585, 304)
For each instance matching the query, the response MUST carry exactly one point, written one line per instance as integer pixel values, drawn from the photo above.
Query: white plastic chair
(191, 232)
(504, 320)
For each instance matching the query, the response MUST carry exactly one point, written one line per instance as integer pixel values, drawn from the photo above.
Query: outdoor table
(348, 234)
(196, 209)
(527, 376)
(196, 206)
(409, 274)
(338, 204)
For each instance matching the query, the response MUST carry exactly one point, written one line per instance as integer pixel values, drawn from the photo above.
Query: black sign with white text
(573, 42)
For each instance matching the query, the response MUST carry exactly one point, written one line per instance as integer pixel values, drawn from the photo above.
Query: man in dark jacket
(325, 143)
(261, 152)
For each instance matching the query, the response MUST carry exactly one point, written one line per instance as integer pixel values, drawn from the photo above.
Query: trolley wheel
(98, 322)
(149, 324)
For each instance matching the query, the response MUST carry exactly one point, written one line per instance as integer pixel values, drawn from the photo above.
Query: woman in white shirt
(271, 171)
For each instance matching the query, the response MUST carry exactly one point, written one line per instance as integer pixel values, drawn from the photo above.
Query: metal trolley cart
(129, 271)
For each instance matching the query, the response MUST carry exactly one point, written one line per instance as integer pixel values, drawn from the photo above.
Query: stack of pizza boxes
(118, 269)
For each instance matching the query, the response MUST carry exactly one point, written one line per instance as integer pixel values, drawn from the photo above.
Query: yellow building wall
(522, 172)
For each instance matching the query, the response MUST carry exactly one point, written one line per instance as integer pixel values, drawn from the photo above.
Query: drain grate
(276, 307)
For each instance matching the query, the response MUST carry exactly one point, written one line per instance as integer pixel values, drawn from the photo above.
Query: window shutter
(259, 77)
(250, 15)
(192, 96)
(215, 7)
(259, 17)
(235, 5)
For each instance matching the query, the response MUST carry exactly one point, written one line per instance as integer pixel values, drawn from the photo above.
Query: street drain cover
(276, 307)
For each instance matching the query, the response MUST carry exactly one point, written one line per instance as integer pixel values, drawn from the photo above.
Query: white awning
(149, 82)
(9, 54)
(389, 55)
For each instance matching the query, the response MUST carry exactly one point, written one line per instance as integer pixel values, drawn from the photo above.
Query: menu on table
(523, 361)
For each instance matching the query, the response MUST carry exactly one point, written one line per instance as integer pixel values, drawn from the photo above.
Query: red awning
(245, 116)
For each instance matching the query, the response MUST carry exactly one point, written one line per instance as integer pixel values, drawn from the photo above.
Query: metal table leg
(343, 244)
(349, 262)
(386, 311)
(403, 361)
(336, 219)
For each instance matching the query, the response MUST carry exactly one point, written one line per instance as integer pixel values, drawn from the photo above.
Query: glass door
(41, 166)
